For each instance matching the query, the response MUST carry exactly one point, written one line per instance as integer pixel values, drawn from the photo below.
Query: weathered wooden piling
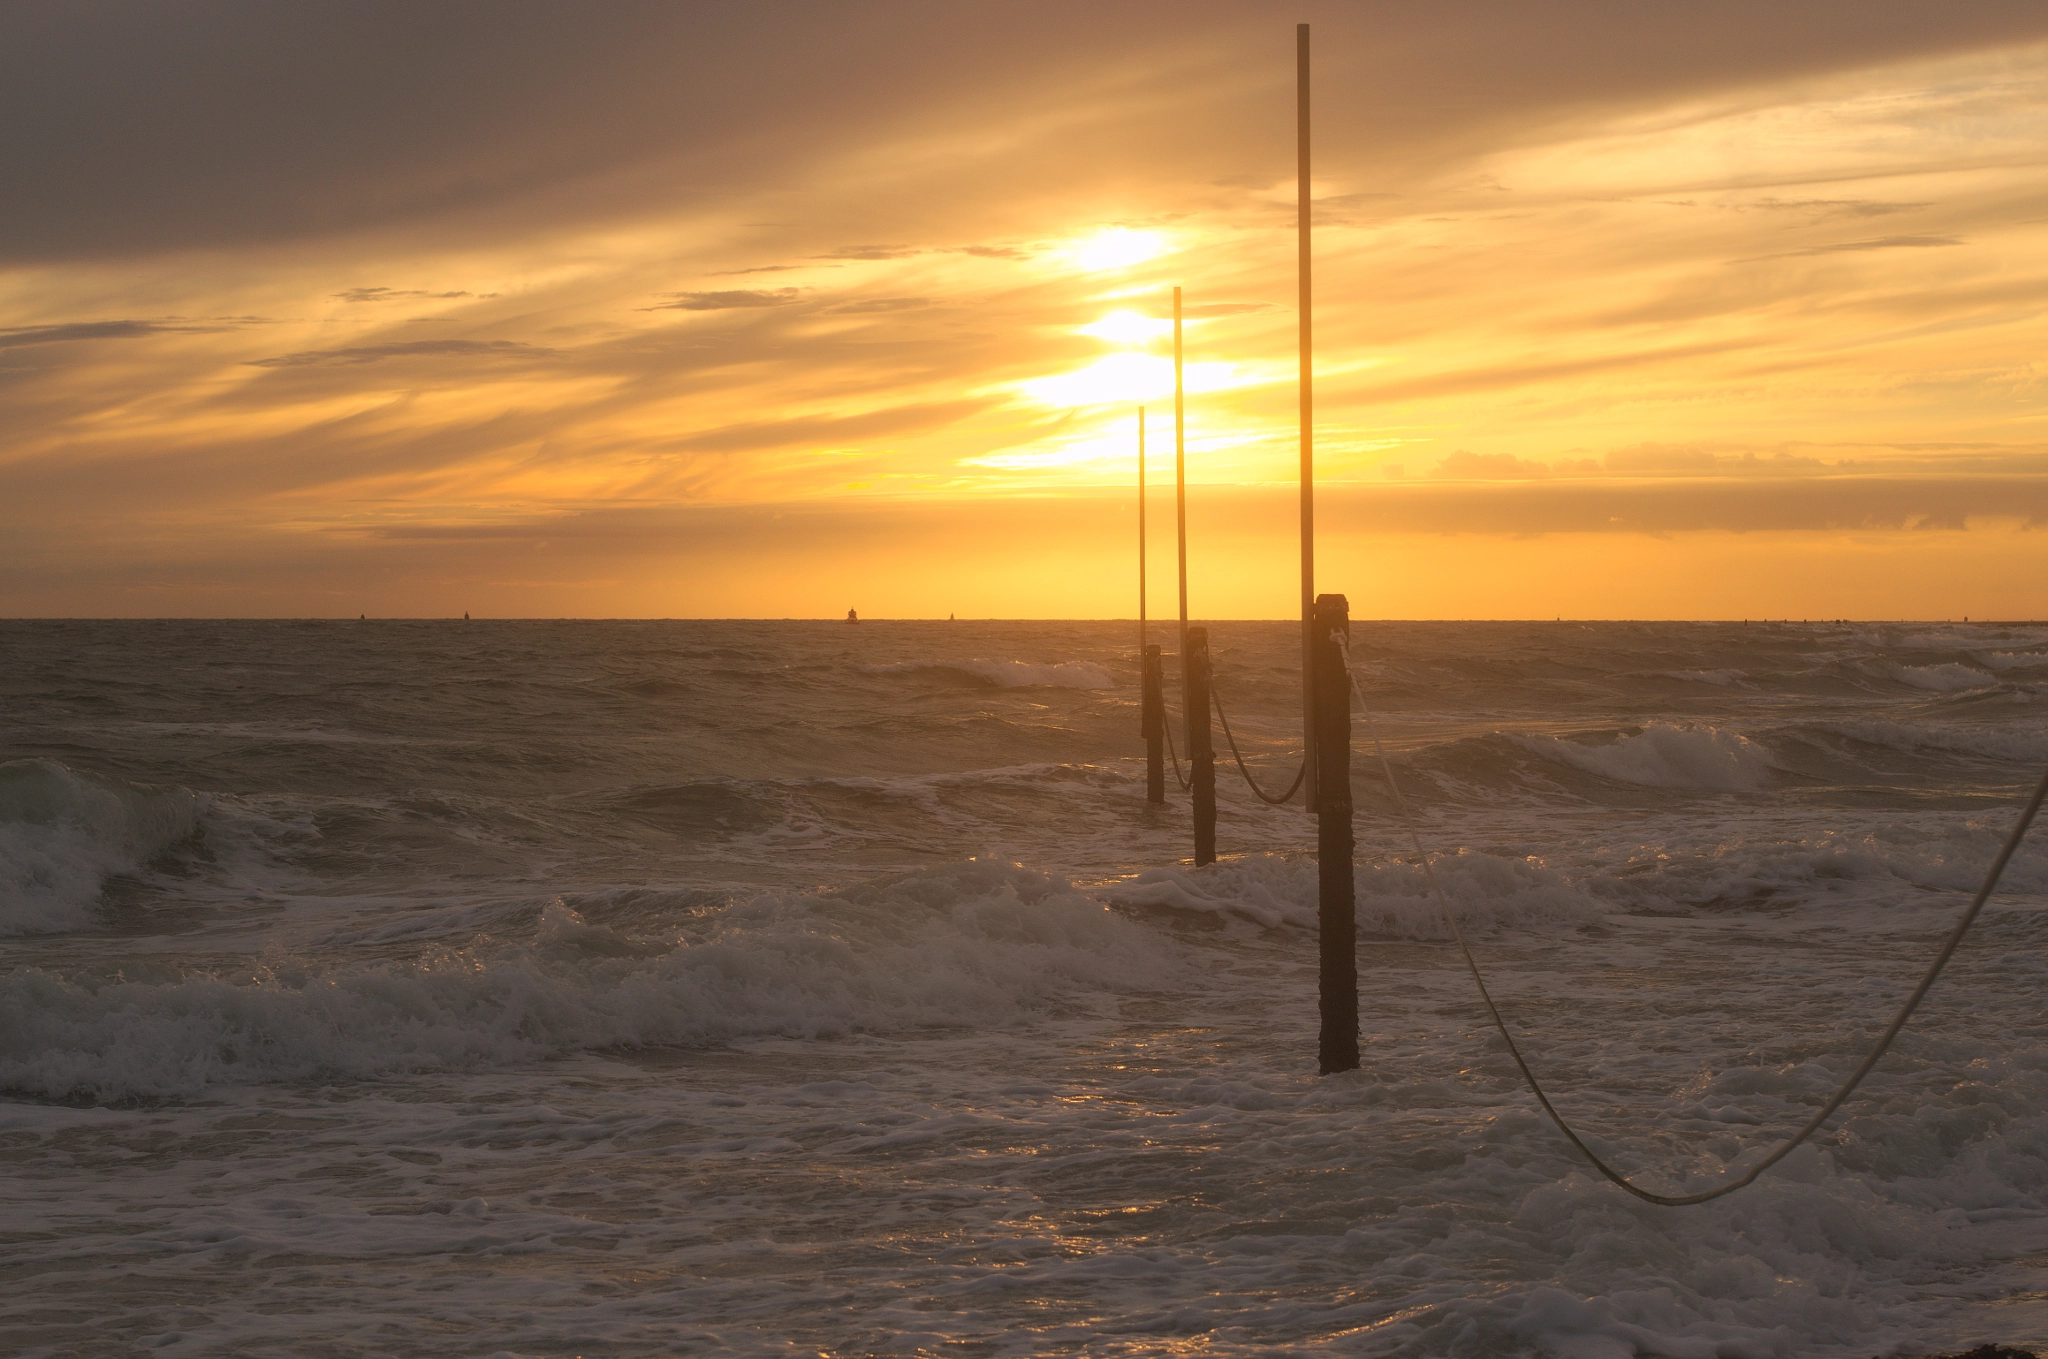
(1195, 701)
(1336, 889)
(1152, 722)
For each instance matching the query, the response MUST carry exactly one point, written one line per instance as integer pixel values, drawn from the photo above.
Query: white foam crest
(1998, 743)
(1012, 674)
(1949, 638)
(1490, 892)
(2013, 660)
(974, 944)
(63, 834)
(1955, 856)
(1954, 677)
(1665, 756)
(1745, 872)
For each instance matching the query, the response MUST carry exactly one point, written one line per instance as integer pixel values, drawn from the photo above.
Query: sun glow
(1126, 379)
(1116, 248)
(1127, 327)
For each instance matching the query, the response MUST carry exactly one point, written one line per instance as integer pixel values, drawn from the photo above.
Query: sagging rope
(1253, 783)
(1178, 777)
(1948, 948)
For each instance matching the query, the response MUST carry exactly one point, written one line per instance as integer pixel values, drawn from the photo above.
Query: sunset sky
(1623, 309)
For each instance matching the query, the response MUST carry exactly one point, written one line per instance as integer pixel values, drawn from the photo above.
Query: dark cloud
(132, 127)
(1837, 207)
(396, 294)
(96, 330)
(727, 301)
(1882, 243)
(995, 252)
(358, 355)
(759, 269)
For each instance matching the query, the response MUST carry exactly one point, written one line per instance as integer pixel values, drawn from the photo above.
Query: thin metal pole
(1141, 532)
(1180, 482)
(1310, 786)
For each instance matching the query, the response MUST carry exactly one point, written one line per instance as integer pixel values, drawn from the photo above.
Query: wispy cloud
(729, 300)
(871, 252)
(358, 355)
(878, 304)
(399, 294)
(829, 429)
(1881, 243)
(1524, 293)
(96, 330)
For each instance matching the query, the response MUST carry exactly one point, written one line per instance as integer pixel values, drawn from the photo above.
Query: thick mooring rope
(1178, 777)
(1253, 783)
(1948, 948)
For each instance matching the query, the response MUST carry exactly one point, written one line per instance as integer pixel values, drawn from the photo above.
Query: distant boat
(852, 617)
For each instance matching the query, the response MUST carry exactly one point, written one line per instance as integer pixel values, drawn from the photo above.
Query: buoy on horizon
(852, 617)
(465, 615)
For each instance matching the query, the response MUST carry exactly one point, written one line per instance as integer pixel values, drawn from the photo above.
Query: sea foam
(1490, 892)
(1948, 679)
(1666, 756)
(63, 834)
(981, 943)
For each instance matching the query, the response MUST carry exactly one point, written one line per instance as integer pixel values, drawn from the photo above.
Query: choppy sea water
(795, 988)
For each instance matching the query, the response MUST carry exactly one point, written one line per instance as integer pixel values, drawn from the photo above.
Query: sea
(524, 988)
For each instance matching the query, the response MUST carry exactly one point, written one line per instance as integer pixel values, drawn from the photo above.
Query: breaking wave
(1951, 678)
(979, 943)
(63, 834)
(1665, 756)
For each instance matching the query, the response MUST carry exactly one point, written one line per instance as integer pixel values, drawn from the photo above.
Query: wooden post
(1336, 890)
(1201, 755)
(1152, 720)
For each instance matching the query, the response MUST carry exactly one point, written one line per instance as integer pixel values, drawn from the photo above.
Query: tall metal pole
(1180, 482)
(1141, 532)
(1311, 790)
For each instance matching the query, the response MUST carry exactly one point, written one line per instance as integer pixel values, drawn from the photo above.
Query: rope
(1262, 794)
(1948, 948)
(1178, 777)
